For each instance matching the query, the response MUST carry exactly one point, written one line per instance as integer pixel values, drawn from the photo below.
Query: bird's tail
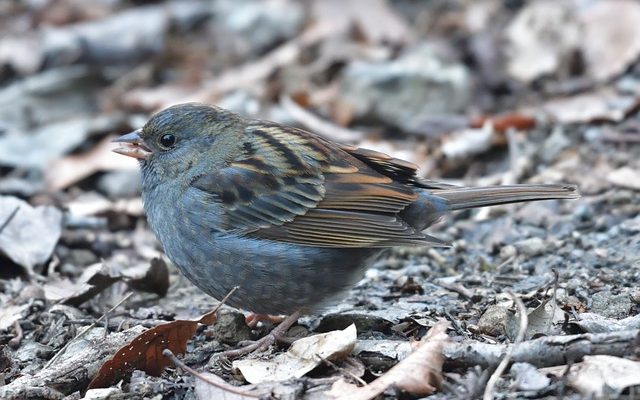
(471, 197)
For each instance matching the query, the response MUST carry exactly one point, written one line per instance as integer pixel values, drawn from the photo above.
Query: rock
(119, 39)
(611, 305)
(409, 91)
(528, 378)
(262, 24)
(33, 111)
(231, 327)
(531, 247)
(508, 251)
(363, 322)
(498, 321)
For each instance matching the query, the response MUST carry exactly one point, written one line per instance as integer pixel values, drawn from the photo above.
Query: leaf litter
(504, 113)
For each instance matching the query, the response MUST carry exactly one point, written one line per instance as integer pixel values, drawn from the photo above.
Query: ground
(474, 93)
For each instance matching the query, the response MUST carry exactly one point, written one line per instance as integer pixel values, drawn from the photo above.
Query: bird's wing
(400, 170)
(292, 186)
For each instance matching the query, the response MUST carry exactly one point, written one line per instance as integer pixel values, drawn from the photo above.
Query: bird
(290, 218)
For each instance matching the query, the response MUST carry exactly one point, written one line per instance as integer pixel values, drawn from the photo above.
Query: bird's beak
(133, 145)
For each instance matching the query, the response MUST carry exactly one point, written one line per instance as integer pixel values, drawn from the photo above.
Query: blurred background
(473, 92)
(461, 88)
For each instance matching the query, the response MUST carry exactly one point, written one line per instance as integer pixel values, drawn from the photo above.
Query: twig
(59, 353)
(342, 370)
(505, 263)
(621, 137)
(546, 351)
(14, 343)
(553, 299)
(226, 387)
(318, 125)
(9, 218)
(251, 72)
(207, 318)
(524, 321)
(456, 288)
(511, 176)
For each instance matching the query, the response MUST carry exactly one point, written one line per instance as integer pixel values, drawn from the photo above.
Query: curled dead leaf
(420, 373)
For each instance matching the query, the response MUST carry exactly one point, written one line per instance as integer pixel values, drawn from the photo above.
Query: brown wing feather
(292, 186)
(399, 170)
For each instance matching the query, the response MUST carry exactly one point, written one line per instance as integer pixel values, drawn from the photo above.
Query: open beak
(132, 146)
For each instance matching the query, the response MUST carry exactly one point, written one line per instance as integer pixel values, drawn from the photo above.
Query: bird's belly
(273, 278)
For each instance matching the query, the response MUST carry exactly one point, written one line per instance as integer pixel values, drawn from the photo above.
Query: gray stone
(261, 23)
(231, 327)
(409, 91)
(611, 305)
(531, 247)
(498, 320)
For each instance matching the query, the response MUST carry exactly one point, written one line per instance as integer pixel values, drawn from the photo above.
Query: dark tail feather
(471, 197)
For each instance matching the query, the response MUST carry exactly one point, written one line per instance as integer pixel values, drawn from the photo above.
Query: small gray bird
(291, 218)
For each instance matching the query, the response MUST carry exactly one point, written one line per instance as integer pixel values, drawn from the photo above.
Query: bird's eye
(167, 140)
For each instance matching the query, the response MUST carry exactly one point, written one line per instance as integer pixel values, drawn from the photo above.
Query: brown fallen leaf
(71, 169)
(506, 121)
(420, 373)
(145, 351)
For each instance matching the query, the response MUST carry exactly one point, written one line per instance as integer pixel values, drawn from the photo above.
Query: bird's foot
(270, 339)
(253, 319)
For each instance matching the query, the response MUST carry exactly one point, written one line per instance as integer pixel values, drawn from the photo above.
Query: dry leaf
(145, 351)
(303, 356)
(541, 38)
(151, 278)
(29, 234)
(380, 23)
(420, 373)
(611, 36)
(542, 320)
(468, 142)
(72, 169)
(602, 105)
(12, 313)
(626, 177)
(600, 376)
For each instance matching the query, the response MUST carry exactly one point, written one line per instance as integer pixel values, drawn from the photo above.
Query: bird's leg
(253, 319)
(269, 339)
